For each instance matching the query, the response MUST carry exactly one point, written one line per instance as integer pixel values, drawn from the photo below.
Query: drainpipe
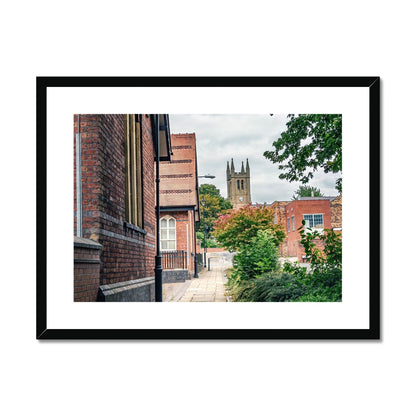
(195, 258)
(187, 244)
(158, 258)
(78, 178)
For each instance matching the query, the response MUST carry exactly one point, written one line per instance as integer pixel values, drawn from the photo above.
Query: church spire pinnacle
(242, 167)
(232, 165)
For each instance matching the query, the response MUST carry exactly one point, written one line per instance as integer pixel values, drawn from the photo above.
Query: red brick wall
(183, 218)
(280, 218)
(211, 250)
(90, 165)
(148, 179)
(298, 208)
(178, 181)
(336, 212)
(178, 188)
(127, 252)
(86, 273)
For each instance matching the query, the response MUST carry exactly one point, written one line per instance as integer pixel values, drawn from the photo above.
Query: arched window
(167, 233)
(238, 184)
(242, 184)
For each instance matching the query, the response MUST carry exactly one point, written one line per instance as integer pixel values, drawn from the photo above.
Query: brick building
(336, 213)
(280, 218)
(179, 204)
(114, 205)
(317, 212)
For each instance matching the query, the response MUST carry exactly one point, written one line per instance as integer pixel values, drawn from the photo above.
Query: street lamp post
(208, 176)
(158, 257)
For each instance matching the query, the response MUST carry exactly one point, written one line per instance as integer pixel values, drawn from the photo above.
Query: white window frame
(288, 224)
(168, 228)
(293, 223)
(313, 228)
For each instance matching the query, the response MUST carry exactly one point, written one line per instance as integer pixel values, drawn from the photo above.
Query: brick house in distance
(114, 205)
(336, 213)
(179, 208)
(317, 212)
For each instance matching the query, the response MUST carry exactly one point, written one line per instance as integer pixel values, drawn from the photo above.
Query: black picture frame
(372, 333)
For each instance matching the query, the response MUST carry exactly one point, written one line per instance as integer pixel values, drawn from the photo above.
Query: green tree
(310, 141)
(324, 281)
(258, 257)
(305, 191)
(215, 205)
(236, 229)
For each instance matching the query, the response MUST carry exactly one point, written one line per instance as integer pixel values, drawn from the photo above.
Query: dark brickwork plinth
(139, 290)
(175, 275)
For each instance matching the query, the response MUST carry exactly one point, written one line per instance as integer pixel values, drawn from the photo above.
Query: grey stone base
(139, 290)
(175, 275)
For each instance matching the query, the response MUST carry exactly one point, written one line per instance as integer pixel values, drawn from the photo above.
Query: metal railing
(177, 259)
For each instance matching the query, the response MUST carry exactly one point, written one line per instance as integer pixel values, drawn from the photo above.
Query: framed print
(208, 208)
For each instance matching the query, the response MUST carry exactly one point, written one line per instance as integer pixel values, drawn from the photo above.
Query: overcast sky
(220, 137)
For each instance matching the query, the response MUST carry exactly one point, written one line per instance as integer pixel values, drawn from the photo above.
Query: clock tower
(238, 185)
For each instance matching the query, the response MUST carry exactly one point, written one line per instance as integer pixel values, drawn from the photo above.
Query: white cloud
(221, 137)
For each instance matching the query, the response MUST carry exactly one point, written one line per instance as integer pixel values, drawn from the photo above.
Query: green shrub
(210, 241)
(256, 276)
(258, 257)
(239, 289)
(276, 287)
(272, 287)
(323, 283)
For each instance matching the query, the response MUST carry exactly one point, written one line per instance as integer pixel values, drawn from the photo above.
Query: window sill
(131, 227)
(313, 229)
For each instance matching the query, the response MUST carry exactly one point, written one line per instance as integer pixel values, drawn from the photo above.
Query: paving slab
(209, 287)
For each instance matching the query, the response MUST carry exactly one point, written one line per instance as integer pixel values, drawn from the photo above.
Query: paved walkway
(209, 287)
(172, 292)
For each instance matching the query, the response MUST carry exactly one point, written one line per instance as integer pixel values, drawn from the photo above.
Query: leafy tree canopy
(215, 205)
(236, 229)
(305, 191)
(311, 141)
(256, 258)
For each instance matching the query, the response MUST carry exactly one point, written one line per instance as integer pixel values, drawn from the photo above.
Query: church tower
(238, 185)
